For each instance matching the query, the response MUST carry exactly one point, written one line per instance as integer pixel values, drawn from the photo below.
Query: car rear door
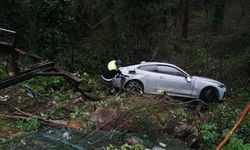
(148, 79)
(173, 81)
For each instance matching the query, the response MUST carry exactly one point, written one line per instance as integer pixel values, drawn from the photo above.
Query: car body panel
(175, 85)
(158, 77)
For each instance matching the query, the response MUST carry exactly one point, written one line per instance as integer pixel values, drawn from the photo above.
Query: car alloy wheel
(209, 94)
(134, 87)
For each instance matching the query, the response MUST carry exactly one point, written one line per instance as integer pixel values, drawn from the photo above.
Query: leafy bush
(28, 124)
(58, 112)
(236, 144)
(46, 84)
(126, 147)
(224, 117)
(209, 134)
(2, 71)
(80, 113)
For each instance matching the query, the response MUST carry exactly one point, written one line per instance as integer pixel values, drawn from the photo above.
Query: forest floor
(53, 104)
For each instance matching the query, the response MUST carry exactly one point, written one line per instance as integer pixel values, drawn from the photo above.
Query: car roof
(154, 63)
(143, 63)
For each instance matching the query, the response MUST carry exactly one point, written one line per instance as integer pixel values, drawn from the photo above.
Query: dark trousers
(110, 85)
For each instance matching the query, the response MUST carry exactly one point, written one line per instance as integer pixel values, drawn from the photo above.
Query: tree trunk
(218, 15)
(178, 12)
(185, 19)
(206, 6)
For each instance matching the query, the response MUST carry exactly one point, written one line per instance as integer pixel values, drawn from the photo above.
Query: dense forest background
(208, 38)
(204, 37)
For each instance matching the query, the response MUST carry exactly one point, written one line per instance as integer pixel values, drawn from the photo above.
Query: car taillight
(222, 86)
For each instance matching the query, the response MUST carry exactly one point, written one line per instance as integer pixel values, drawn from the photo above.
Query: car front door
(173, 81)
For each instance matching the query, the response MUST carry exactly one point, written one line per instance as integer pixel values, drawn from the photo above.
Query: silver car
(156, 78)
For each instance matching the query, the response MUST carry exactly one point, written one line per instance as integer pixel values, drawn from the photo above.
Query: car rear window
(151, 68)
(169, 70)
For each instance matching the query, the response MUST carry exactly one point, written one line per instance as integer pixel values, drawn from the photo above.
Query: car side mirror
(131, 72)
(188, 78)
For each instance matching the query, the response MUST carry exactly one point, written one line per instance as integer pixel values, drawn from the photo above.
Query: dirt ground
(134, 112)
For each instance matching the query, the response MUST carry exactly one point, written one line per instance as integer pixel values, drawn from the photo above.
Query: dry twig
(57, 122)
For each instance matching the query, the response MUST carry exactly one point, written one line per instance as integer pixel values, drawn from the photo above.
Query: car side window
(169, 70)
(151, 68)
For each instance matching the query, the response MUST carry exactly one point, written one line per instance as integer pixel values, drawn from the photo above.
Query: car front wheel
(134, 86)
(209, 94)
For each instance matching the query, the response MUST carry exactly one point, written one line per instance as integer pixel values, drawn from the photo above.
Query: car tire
(135, 86)
(209, 94)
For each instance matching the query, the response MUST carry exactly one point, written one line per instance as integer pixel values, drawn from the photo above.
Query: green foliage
(246, 58)
(236, 144)
(2, 71)
(209, 134)
(58, 112)
(46, 84)
(44, 30)
(111, 147)
(135, 147)
(179, 113)
(90, 83)
(151, 130)
(80, 113)
(224, 116)
(84, 35)
(175, 114)
(126, 147)
(28, 124)
(171, 141)
(218, 14)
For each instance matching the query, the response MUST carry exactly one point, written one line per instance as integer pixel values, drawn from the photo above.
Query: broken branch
(58, 122)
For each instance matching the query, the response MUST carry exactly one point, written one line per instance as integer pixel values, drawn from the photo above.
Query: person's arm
(119, 72)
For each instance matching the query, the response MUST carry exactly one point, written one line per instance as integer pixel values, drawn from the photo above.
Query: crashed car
(157, 78)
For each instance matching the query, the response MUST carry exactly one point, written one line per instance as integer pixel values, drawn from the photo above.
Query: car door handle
(161, 77)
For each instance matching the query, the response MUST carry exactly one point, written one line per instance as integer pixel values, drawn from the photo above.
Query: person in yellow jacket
(110, 72)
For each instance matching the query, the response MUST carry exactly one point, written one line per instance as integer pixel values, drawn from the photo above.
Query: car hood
(206, 79)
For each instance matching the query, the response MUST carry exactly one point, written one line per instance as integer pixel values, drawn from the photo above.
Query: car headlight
(222, 86)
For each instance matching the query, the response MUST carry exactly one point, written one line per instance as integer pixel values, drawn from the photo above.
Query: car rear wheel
(135, 86)
(209, 94)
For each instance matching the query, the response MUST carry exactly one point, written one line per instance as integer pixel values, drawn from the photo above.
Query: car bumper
(222, 94)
